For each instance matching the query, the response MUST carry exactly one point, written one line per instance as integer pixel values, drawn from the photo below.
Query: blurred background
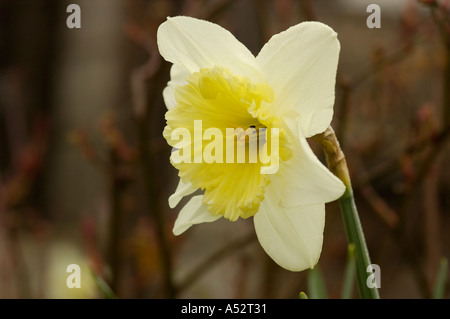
(84, 169)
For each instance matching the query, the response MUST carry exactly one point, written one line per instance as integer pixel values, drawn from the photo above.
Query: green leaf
(103, 286)
(316, 284)
(439, 287)
(302, 295)
(355, 235)
(349, 274)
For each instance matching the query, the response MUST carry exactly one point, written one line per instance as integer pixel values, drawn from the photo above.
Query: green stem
(355, 236)
(353, 229)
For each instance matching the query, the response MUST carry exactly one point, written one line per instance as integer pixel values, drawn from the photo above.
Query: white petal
(194, 212)
(194, 44)
(177, 77)
(300, 65)
(291, 237)
(181, 191)
(304, 180)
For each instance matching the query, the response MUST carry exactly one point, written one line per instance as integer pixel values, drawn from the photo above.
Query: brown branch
(211, 9)
(140, 103)
(144, 72)
(428, 162)
(308, 10)
(431, 224)
(381, 63)
(343, 107)
(389, 166)
(118, 184)
(262, 12)
(380, 206)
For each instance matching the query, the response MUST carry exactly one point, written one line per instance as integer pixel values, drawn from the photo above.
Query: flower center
(226, 140)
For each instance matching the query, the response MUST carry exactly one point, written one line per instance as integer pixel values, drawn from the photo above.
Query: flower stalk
(338, 166)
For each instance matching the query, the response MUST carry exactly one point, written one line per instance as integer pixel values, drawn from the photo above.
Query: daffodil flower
(288, 86)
